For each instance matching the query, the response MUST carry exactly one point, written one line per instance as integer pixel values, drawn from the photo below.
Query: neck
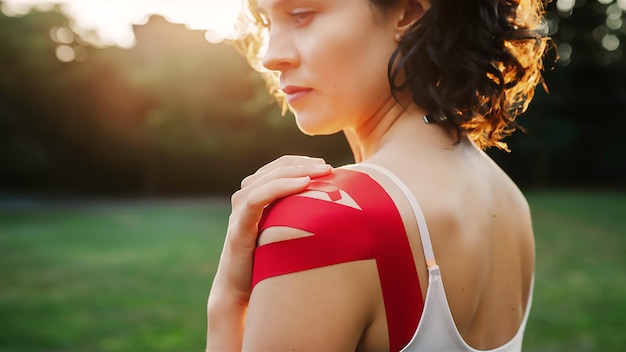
(395, 123)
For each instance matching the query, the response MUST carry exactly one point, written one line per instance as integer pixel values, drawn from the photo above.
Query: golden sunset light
(112, 20)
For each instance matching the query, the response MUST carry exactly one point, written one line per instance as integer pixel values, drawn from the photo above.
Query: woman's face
(332, 56)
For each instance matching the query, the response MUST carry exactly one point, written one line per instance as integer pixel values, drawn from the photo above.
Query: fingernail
(322, 167)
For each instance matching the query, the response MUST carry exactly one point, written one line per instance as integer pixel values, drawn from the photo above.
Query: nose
(281, 53)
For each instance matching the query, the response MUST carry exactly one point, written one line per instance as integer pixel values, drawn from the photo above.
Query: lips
(295, 93)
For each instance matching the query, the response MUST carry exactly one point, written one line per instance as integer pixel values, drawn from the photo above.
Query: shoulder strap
(429, 254)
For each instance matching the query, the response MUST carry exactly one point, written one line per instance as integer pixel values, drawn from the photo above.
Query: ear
(410, 12)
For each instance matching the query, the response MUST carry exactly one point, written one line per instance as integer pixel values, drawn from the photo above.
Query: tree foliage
(177, 115)
(172, 115)
(574, 132)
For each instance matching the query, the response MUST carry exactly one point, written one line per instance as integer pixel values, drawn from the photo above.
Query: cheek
(355, 70)
(348, 70)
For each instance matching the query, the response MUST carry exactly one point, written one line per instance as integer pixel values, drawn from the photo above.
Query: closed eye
(302, 17)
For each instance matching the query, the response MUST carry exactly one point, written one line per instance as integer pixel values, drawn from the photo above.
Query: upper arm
(321, 308)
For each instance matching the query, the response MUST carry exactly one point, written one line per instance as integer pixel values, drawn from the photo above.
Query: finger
(291, 160)
(253, 203)
(312, 169)
(283, 161)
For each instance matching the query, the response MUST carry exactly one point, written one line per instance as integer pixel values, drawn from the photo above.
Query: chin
(315, 127)
(311, 131)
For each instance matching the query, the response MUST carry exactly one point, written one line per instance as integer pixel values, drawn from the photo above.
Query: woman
(357, 257)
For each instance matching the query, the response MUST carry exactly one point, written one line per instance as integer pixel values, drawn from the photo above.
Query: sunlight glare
(62, 35)
(113, 19)
(15, 8)
(65, 53)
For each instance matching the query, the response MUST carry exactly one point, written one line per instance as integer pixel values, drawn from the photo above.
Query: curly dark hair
(472, 64)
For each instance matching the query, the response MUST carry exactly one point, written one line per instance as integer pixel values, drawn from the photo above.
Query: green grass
(135, 277)
(108, 278)
(580, 289)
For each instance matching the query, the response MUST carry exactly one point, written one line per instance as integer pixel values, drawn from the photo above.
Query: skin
(310, 52)
(479, 220)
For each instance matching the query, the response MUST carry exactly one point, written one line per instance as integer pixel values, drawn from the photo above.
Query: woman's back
(481, 233)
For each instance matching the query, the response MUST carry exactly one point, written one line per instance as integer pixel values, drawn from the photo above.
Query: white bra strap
(429, 255)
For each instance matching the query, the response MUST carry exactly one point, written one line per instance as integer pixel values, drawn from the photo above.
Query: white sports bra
(436, 330)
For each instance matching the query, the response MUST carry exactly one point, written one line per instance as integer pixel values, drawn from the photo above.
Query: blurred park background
(117, 159)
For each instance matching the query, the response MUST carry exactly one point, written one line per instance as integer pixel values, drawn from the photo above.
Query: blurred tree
(55, 136)
(177, 115)
(575, 132)
(213, 113)
(29, 85)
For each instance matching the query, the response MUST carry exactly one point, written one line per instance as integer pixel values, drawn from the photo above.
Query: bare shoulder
(512, 197)
(320, 203)
(325, 307)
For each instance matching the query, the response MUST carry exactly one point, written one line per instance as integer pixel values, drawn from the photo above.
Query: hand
(282, 177)
(231, 288)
